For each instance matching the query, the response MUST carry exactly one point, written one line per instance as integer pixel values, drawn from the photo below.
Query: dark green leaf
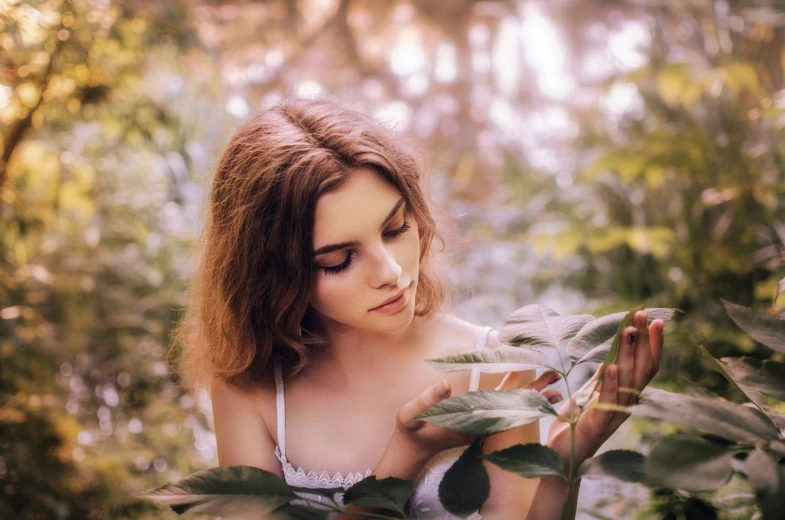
(727, 420)
(387, 493)
(753, 395)
(505, 358)
(688, 463)
(465, 486)
(767, 479)
(765, 376)
(225, 491)
(528, 460)
(764, 328)
(486, 411)
(625, 465)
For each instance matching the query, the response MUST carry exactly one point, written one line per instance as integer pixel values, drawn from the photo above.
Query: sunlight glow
(505, 56)
(445, 71)
(625, 45)
(308, 89)
(544, 51)
(395, 115)
(407, 56)
(238, 107)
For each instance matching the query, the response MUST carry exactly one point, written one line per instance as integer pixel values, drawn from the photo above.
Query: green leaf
(764, 328)
(486, 411)
(688, 463)
(754, 374)
(625, 465)
(528, 460)
(753, 395)
(225, 491)
(387, 493)
(505, 358)
(767, 478)
(465, 486)
(721, 418)
(539, 326)
(596, 337)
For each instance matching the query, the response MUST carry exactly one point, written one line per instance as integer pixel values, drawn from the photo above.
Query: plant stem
(571, 474)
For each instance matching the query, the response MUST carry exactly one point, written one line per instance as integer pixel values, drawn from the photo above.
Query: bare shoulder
(464, 336)
(241, 419)
(455, 334)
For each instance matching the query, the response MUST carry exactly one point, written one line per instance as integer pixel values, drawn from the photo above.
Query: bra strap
(474, 381)
(280, 406)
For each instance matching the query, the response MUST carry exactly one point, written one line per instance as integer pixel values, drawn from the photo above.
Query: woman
(315, 304)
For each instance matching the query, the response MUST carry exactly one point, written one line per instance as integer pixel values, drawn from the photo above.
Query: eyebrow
(335, 247)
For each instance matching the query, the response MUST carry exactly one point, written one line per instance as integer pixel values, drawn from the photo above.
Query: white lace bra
(424, 503)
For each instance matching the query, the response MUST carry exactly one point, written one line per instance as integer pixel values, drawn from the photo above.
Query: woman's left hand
(636, 365)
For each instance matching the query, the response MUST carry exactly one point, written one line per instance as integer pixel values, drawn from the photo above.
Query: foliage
(682, 461)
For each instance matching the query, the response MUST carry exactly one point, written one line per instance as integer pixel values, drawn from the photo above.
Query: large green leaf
(767, 479)
(465, 486)
(539, 326)
(597, 336)
(387, 493)
(225, 491)
(528, 460)
(626, 465)
(721, 418)
(765, 376)
(688, 463)
(486, 411)
(752, 394)
(505, 358)
(764, 328)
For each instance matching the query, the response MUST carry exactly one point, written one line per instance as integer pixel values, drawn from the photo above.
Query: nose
(388, 270)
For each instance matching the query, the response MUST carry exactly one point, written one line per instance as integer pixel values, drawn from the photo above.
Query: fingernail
(555, 378)
(631, 336)
(443, 389)
(554, 399)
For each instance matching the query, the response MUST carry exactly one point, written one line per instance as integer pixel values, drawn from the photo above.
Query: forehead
(357, 207)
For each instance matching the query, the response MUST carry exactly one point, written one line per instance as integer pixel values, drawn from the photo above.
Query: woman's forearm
(549, 500)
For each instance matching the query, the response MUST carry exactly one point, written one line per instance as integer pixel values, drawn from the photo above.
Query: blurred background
(586, 155)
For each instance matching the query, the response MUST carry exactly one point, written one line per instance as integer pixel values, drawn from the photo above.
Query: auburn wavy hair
(247, 303)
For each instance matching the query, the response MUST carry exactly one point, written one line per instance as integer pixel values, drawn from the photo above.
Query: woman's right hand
(422, 440)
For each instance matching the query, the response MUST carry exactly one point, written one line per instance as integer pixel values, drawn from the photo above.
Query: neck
(353, 356)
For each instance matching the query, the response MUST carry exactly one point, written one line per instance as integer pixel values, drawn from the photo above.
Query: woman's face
(366, 251)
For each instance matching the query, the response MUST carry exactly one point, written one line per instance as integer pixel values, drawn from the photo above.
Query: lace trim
(298, 477)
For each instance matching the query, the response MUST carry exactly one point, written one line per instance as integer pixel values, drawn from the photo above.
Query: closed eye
(398, 232)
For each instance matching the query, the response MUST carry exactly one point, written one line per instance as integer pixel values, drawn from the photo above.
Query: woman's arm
(241, 436)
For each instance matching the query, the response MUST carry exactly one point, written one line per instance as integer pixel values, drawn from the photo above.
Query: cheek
(330, 294)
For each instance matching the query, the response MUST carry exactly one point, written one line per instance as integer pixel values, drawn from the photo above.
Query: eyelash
(395, 233)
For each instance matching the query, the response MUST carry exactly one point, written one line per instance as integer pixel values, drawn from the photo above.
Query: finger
(608, 395)
(432, 395)
(510, 381)
(642, 355)
(553, 396)
(625, 361)
(655, 343)
(547, 378)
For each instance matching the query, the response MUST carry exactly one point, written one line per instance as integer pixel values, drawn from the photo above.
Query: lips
(391, 299)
